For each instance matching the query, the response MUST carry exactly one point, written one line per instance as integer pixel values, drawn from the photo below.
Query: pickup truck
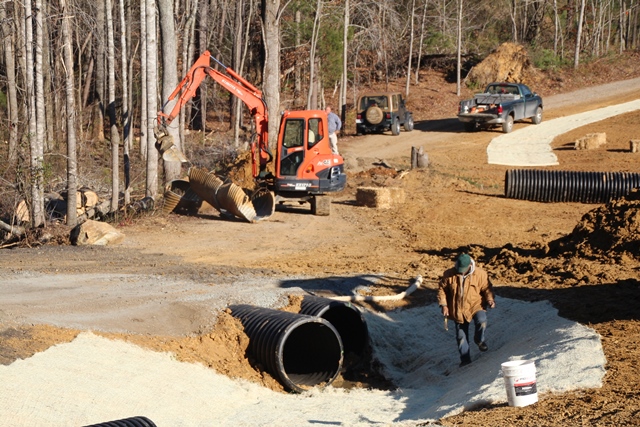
(500, 104)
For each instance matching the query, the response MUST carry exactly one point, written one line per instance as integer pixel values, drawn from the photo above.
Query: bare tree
(113, 123)
(424, 19)
(271, 13)
(413, 10)
(312, 94)
(459, 48)
(8, 31)
(144, 115)
(345, 53)
(70, 102)
(169, 77)
(152, 98)
(98, 124)
(126, 115)
(37, 116)
(576, 57)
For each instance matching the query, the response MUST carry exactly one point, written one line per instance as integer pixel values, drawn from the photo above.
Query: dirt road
(173, 273)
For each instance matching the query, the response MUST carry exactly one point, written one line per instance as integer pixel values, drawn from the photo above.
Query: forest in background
(81, 82)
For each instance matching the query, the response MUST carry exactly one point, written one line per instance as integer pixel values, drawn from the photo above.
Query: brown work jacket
(465, 301)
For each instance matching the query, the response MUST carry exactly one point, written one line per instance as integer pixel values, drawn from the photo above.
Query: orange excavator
(304, 168)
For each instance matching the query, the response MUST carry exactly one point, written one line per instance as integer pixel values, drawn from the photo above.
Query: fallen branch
(354, 298)
(15, 230)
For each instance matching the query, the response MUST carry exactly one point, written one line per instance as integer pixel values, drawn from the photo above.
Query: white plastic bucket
(520, 382)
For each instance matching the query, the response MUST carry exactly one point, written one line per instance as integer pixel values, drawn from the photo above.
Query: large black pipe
(300, 351)
(568, 186)
(345, 317)
(127, 422)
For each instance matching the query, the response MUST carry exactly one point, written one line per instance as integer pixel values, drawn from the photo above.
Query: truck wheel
(507, 126)
(395, 127)
(320, 205)
(408, 123)
(537, 119)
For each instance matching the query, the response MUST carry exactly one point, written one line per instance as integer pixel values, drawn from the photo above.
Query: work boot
(465, 363)
(483, 346)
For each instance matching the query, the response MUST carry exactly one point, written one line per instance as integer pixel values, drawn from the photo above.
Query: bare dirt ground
(457, 203)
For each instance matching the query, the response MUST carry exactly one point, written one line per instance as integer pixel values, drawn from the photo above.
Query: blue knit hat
(462, 263)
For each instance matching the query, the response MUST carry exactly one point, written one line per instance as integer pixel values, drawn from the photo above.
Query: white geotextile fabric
(93, 379)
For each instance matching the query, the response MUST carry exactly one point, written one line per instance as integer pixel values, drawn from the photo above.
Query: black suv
(382, 111)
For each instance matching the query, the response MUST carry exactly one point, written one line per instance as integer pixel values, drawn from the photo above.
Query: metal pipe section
(568, 186)
(300, 351)
(347, 318)
(127, 422)
(230, 198)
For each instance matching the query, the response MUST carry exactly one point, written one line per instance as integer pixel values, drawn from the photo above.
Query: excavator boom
(237, 86)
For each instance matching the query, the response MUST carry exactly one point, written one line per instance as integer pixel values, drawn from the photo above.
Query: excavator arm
(237, 86)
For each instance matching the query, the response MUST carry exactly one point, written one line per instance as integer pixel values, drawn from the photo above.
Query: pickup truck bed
(500, 104)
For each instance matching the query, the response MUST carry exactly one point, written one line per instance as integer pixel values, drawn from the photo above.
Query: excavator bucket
(167, 148)
(230, 198)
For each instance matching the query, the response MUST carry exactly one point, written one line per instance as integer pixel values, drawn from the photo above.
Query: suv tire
(395, 127)
(374, 115)
(408, 123)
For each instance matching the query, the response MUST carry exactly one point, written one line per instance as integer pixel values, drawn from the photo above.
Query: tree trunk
(459, 48)
(144, 114)
(113, 124)
(8, 31)
(169, 78)
(345, 77)
(576, 57)
(37, 144)
(187, 52)
(413, 10)
(424, 18)
(126, 116)
(100, 71)
(271, 74)
(312, 95)
(152, 99)
(70, 102)
(235, 106)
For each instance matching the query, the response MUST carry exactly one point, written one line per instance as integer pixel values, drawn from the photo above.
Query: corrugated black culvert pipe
(345, 317)
(127, 422)
(300, 351)
(568, 186)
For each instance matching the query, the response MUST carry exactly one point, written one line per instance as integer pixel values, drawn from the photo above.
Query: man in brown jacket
(464, 294)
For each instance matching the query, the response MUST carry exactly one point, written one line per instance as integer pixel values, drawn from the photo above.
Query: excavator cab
(305, 165)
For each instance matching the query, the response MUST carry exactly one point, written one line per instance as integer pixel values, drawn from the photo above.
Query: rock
(95, 233)
(634, 145)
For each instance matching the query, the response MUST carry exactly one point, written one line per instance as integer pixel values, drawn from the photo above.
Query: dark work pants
(462, 334)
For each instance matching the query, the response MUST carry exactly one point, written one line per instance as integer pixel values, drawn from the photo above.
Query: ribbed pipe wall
(345, 317)
(568, 186)
(300, 351)
(127, 422)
